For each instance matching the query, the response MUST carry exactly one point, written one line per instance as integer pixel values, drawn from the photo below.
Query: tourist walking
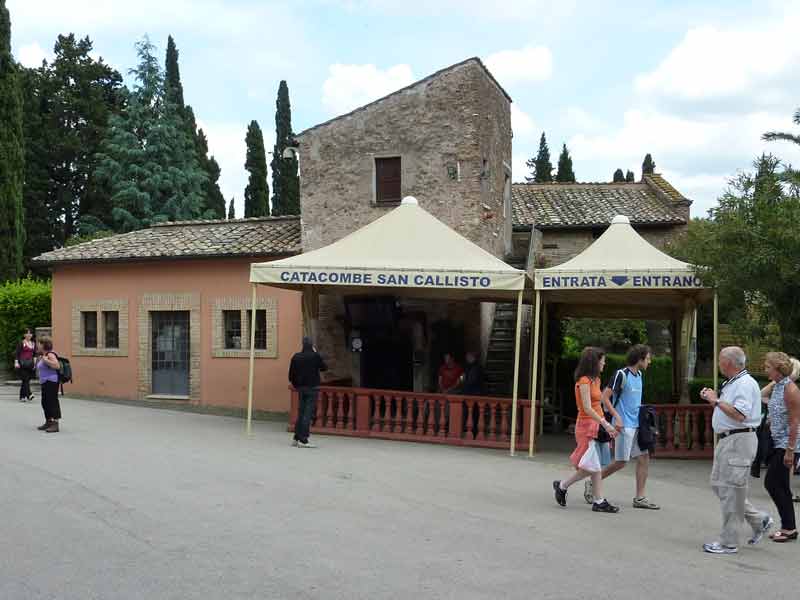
(626, 388)
(784, 419)
(304, 372)
(737, 414)
(591, 418)
(24, 363)
(48, 367)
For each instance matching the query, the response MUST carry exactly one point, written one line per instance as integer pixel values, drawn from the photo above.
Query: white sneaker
(717, 548)
(305, 445)
(766, 524)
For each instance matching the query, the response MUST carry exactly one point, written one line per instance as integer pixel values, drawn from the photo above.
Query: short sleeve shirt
(741, 392)
(628, 397)
(450, 375)
(594, 392)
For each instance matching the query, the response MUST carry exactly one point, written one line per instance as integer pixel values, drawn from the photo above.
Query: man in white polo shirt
(737, 414)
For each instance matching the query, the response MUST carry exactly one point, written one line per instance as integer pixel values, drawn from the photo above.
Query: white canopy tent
(406, 250)
(620, 275)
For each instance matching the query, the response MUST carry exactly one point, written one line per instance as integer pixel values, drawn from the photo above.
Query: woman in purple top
(48, 368)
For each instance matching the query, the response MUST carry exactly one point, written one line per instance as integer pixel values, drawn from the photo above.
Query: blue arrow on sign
(620, 279)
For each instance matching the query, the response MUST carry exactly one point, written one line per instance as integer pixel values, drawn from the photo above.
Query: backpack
(620, 373)
(64, 370)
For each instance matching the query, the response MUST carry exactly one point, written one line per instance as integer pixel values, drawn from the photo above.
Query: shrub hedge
(23, 303)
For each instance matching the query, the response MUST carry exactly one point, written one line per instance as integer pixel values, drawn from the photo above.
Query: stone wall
(452, 132)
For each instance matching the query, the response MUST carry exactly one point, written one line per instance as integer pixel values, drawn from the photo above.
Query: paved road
(131, 502)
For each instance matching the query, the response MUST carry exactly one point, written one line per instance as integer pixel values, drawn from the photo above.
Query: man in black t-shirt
(304, 376)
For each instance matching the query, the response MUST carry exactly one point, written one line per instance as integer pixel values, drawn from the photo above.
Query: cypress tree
(565, 173)
(12, 157)
(619, 176)
(214, 201)
(541, 166)
(231, 210)
(629, 176)
(285, 182)
(648, 166)
(256, 194)
(172, 74)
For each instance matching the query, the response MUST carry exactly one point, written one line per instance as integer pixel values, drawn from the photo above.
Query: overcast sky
(694, 83)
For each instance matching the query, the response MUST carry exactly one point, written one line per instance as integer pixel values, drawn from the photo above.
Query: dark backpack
(64, 370)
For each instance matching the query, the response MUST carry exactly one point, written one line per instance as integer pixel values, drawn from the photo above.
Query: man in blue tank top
(627, 386)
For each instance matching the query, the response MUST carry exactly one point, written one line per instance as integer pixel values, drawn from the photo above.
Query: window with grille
(232, 323)
(261, 328)
(89, 325)
(388, 180)
(111, 329)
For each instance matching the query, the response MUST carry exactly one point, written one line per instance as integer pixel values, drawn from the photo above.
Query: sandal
(782, 536)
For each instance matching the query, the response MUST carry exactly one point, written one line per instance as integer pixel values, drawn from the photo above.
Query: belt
(725, 434)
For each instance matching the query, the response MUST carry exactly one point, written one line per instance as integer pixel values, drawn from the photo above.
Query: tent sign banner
(470, 280)
(608, 280)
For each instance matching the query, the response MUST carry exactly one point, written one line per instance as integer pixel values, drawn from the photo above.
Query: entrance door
(170, 352)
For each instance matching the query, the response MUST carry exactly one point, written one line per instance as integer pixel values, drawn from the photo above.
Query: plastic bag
(590, 461)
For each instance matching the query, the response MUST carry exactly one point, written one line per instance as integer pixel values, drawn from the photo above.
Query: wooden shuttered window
(388, 180)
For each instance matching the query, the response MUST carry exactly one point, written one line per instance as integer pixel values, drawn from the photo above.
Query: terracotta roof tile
(554, 205)
(268, 236)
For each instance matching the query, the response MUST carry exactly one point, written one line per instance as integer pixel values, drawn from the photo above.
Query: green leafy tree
(541, 167)
(648, 165)
(619, 176)
(12, 157)
(256, 194)
(148, 159)
(630, 177)
(565, 173)
(750, 251)
(214, 200)
(285, 182)
(79, 96)
(231, 210)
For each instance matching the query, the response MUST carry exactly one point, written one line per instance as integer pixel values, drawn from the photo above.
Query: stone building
(162, 313)
(445, 140)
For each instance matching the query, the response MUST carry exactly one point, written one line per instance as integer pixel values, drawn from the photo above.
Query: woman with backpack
(24, 361)
(49, 367)
(591, 418)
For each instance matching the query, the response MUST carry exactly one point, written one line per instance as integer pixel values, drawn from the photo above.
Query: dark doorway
(170, 349)
(388, 351)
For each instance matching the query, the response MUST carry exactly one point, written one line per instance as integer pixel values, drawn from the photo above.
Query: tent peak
(409, 200)
(620, 219)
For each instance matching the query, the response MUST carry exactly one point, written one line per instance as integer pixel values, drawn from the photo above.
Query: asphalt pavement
(133, 502)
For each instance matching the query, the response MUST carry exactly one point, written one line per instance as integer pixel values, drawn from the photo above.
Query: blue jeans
(305, 413)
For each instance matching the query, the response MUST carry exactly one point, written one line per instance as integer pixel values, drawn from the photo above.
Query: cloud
(526, 65)
(576, 118)
(711, 63)
(517, 10)
(226, 143)
(350, 86)
(32, 55)
(521, 122)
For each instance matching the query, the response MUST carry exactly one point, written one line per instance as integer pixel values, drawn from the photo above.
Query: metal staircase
(499, 367)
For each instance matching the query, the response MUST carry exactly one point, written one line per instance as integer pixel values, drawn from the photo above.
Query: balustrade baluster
(410, 425)
(695, 430)
(468, 421)
(493, 410)
(481, 421)
(670, 442)
(419, 416)
(444, 417)
(505, 422)
(319, 410)
(397, 426)
(430, 405)
(708, 434)
(375, 402)
(339, 411)
(330, 412)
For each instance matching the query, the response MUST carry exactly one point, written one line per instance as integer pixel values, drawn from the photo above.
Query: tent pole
(516, 374)
(535, 346)
(252, 360)
(543, 364)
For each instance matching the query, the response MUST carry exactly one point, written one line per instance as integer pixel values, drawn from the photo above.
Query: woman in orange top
(589, 399)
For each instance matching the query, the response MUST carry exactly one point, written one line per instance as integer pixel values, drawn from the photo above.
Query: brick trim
(119, 305)
(169, 302)
(217, 305)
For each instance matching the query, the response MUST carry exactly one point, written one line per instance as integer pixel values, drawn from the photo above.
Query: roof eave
(136, 259)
